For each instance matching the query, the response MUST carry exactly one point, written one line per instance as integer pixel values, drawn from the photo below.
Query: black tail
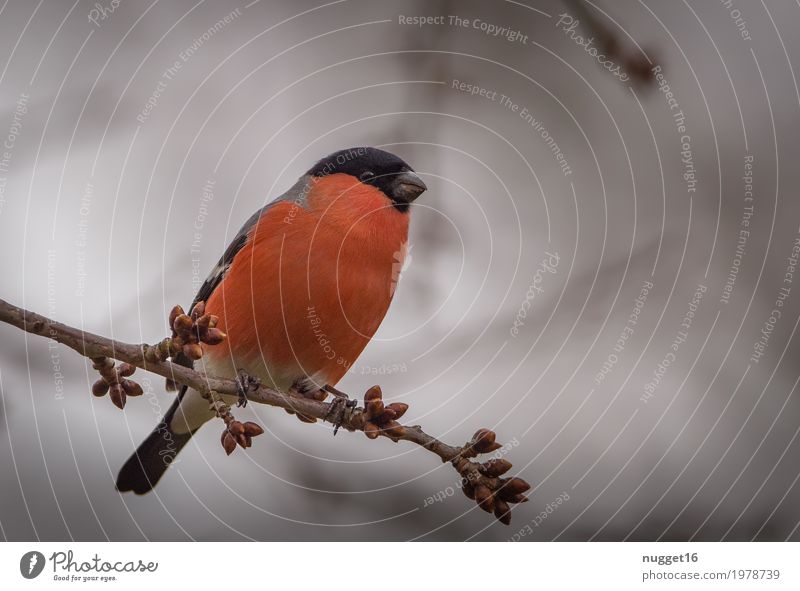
(147, 465)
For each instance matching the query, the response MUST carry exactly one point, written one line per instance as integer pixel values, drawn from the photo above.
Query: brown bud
(486, 435)
(198, 310)
(212, 320)
(236, 428)
(228, 442)
(492, 447)
(125, 369)
(372, 430)
(467, 488)
(487, 505)
(203, 322)
(176, 311)
(484, 497)
(214, 336)
(502, 511)
(388, 415)
(252, 429)
(483, 440)
(131, 388)
(520, 498)
(248, 441)
(182, 323)
(241, 439)
(373, 393)
(461, 464)
(399, 408)
(473, 477)
(495, 467)
(374, 409)
(193, 351)
(100, 388)
(394, 429)
(306, 419)
(516, 486)
(117, 395)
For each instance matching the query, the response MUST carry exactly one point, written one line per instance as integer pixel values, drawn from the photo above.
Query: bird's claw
(339, 411)
(245, 383)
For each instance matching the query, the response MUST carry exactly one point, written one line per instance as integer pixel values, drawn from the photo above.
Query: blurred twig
(635, 63)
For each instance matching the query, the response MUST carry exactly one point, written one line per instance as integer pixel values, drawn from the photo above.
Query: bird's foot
(246, 383)
(341, 407)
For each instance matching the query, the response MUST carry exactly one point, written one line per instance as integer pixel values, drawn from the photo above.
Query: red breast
(313, 283)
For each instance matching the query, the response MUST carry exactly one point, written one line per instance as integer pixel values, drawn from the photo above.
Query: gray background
(97, 222)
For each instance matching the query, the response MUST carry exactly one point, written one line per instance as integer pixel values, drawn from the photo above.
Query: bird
(299, 292)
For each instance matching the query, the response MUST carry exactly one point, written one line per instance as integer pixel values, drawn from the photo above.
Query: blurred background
(601, 271)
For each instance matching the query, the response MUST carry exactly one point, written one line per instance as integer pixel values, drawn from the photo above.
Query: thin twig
(92, 346)
(481, 481)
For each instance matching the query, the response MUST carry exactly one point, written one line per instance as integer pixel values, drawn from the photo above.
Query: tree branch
(480, 481)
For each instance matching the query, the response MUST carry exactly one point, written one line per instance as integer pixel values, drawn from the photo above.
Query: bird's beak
(407, 187)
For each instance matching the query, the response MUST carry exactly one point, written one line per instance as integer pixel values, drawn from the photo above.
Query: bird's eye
(366, 175)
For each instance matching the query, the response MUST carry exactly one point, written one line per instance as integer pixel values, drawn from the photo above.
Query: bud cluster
(235, 432)
(188, 331)
(113, 380)
(381, 419)
(483, 483)
(241, 433)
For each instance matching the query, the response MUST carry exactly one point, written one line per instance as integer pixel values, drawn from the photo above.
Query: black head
(375, 167)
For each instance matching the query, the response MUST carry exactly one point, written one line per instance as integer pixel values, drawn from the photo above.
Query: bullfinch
(300, 291)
